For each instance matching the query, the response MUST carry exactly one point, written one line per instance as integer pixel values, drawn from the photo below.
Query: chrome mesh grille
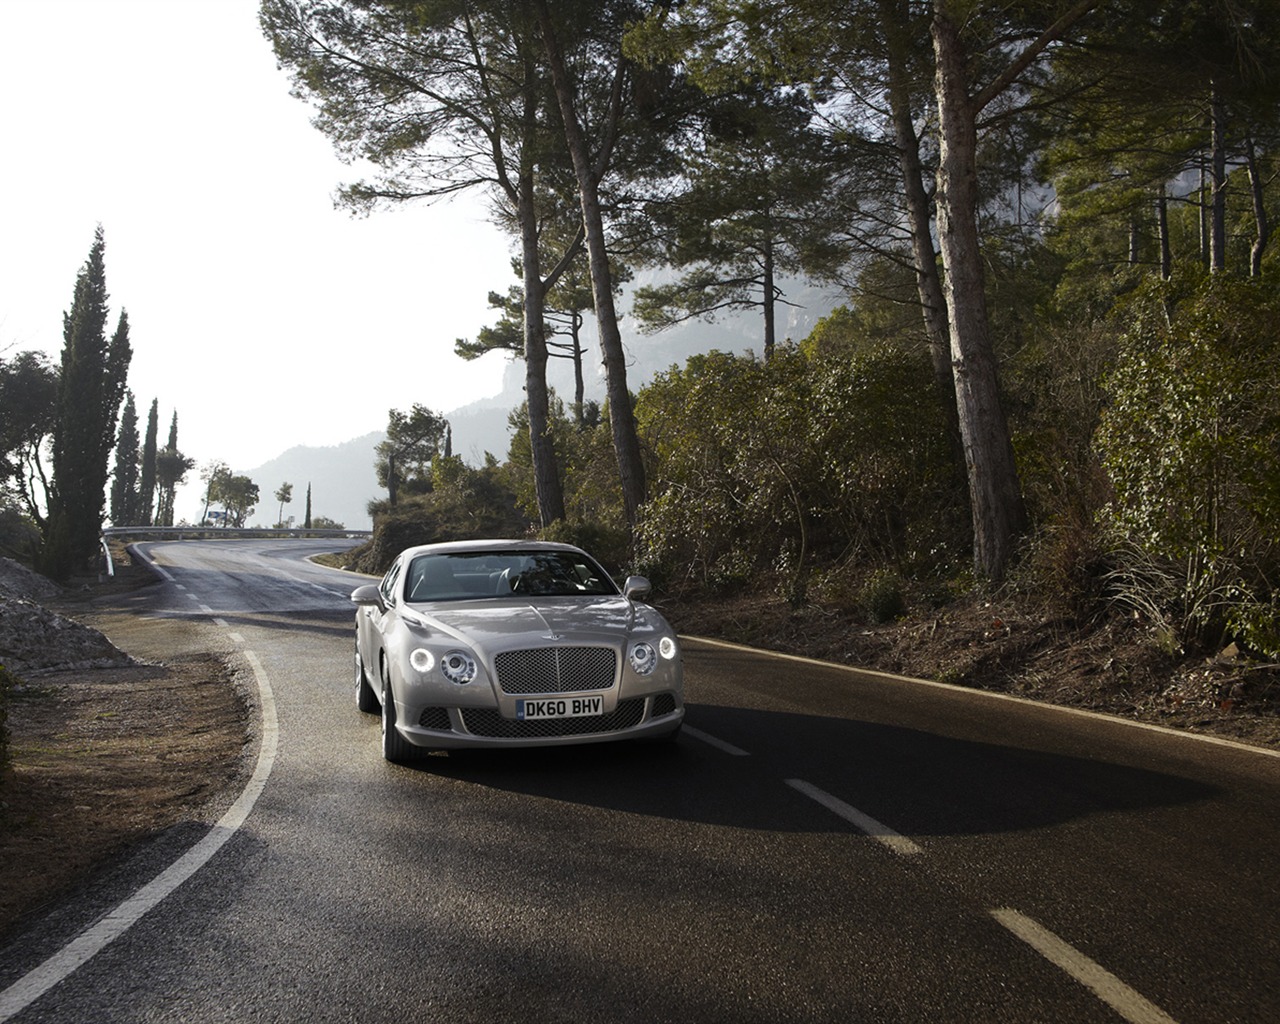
(556, 669)
(489, 722)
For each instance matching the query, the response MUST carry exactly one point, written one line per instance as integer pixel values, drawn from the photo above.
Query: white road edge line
(895, 841)
(721, 745)
(27, 989)
(1101, 982)
(1195, 737)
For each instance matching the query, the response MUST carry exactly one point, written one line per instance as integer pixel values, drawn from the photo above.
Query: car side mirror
(368, 594)
(636, 588)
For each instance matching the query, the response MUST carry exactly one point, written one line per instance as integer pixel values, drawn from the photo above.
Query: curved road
(820, 845)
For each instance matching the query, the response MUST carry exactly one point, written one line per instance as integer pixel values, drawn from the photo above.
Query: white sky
(260, 313)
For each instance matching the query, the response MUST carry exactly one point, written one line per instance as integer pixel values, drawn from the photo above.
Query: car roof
(471, 546)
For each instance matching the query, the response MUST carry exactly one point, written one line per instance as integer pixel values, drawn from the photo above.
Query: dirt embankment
(112, 741)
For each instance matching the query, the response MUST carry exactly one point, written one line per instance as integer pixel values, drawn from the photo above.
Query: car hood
(510, 623)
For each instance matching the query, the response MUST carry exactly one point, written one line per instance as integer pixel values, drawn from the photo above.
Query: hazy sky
(260, 313)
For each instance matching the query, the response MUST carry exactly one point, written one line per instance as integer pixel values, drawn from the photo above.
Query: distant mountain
(342, 476)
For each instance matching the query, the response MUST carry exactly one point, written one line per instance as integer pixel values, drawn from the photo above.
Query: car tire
(395, 748)
(366, 699)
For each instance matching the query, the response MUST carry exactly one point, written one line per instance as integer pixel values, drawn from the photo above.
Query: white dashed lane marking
(864, 823)
(1132, 1006)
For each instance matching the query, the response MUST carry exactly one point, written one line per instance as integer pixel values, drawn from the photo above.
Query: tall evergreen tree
(171, 470)
(147, 480)
(757, 207)
(124, 483)
(90, 391)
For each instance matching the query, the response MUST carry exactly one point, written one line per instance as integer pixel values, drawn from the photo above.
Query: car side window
(388, 584)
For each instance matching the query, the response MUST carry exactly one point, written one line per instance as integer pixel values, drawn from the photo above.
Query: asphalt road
(820, 845)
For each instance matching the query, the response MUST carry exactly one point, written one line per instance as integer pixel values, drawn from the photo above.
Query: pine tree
(90, 391)
(124, 484)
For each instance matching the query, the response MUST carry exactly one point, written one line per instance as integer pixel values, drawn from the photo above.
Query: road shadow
(918, 783)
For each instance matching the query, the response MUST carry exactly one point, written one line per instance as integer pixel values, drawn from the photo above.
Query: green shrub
(883, 596)
(797, 462)
(1191, 444)
(610, 545)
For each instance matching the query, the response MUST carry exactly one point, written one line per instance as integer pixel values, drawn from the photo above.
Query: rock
(34, 639)
(16, 580)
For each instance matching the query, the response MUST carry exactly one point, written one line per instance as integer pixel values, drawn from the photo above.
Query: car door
(374, 621)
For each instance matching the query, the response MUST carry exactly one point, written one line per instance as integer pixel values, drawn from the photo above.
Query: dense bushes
(797, 462)
(463, 503)
(1191, 444)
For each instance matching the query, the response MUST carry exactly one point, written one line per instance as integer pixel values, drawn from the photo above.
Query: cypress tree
(90, 391)
(124, 483)
(171, 470)
(147, 484)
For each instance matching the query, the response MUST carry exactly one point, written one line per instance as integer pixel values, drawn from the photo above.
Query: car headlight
(422, 660)
(644, 659)
(667, 647)
(458, 667)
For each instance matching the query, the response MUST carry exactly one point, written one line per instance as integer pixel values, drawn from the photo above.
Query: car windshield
(470, 575)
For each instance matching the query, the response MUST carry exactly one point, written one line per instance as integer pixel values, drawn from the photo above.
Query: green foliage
(587, 465)
(466, 504)
(147, 471)
(1191, 442)
(124, 482)
(28, 411)
(883, 596)
(405, 457)
(238, 495)
(611, 545)
(797, 462)
(91, 387)
(171, 469)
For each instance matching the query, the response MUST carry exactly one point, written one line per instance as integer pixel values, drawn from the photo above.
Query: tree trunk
(1218, 173)
(546, 471)
(769, 297)
(1162, 221)
(1263, 228)
(579, 385)
(626, 443)
(994, 492)
(893, 17)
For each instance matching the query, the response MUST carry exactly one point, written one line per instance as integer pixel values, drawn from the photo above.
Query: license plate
(559, 707)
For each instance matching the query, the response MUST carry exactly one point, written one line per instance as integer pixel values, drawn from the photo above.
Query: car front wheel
(366, 699)
(395, 748)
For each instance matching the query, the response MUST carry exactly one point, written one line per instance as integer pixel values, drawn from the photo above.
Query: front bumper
(454, 728)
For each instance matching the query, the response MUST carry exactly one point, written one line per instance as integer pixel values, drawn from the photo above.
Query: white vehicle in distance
(512, 644)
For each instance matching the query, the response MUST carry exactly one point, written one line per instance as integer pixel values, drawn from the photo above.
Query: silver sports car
(509, 644)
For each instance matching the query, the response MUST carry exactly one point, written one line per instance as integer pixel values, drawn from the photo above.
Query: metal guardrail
(206, 533)
(221, 532)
